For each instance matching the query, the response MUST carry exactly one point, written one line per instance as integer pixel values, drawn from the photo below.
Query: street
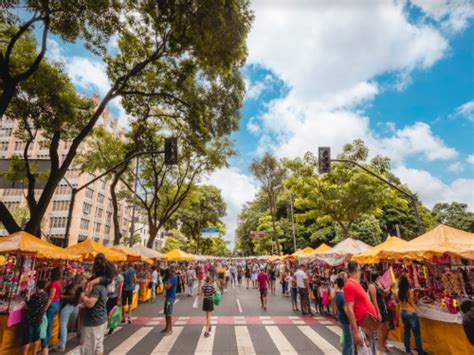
(240, 326)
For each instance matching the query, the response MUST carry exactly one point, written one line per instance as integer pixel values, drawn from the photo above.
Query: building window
(57, 222)
(63, 190)
(100, 198)
(89, 192)
(3, 146)
(109, 217)
(97, 227)
(86, 208)
(12, 205)
(71, 174)
(60, 205)
(20, 145)
(84, 224)
(12, 192)
(107, 229)
(98, 212)
(102, 185)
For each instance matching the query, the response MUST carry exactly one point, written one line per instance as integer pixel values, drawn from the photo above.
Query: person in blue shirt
(342, 315)
(129, 281)
(170, 297)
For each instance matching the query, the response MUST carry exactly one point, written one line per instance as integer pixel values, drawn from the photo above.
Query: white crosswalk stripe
(244, 342)
(205, 345)
(335, 329)
(280, 341)
(165, 345)
(318, 340)
(131, 341)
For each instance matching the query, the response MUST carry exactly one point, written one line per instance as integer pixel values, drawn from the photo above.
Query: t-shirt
(171, 292)
(96, 315)
(200, 274)
(340, 303)
(300, 276)
(129, 280)
(154, 277)
(208, 290)
(36, 308)
(116, 286)
(57, 286)
(353, 292)
(190, 275)
(262, 279)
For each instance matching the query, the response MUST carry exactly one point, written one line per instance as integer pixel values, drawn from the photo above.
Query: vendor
(52, 306)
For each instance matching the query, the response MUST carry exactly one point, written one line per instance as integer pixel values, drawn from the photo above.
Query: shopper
(207, 292)
(302, 282)
(272, 276)
(154, 283)
(262, 279)
(342, 316)
(377, 296)
(410, 320)
(190, 278)
(129, 281)
(293, 291)
(36, 308)
(114, 294)
(170, 297)
(284, 281)
(94, 321)
(247, 275)
(360, 311)
(200, 276)
(52, 306)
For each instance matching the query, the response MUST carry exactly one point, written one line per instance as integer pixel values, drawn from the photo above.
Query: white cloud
(252, 126)
(466, 110)
(54, 52)
(432, 190)
(456, 167)
(256, 89)
(453, 15)
(470, 159)
(88, 74)
(237, 188)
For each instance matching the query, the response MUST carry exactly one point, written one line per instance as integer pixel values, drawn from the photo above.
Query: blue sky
(399, 75)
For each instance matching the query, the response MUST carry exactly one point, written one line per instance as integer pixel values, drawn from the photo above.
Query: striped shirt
(208, 290)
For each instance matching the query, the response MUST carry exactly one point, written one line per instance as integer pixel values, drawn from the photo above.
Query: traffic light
(171, 151)
(324, 160)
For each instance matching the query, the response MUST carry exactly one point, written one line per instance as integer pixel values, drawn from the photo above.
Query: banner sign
(210, 232)
(257, 235)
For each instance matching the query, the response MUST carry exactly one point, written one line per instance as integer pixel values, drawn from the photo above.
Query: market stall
(339, 254)
(27, 260)
(178, 255)
(373, 255)
(440, 267)
(149, 253)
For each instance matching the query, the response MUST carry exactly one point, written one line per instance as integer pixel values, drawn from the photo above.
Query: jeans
(190, 287)
(284, 287)
(346, 330)
(153, 292)
(67, 311)
(50, 314)
(411, 322)
(294, 296)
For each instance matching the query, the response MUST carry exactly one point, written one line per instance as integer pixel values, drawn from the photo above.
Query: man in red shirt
(262, 279)
(358, 303)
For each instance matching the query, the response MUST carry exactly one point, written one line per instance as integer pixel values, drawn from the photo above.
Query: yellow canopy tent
(321, 249)
(89, 248)
(305, 251)
(149, 253)
(131, 255)
(2, 260)
(274, 258)
(28, 244)
(178, 255)
(372, 256)
(441, 240)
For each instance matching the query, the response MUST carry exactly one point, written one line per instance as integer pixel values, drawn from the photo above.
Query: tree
(185, 56)
(170, 244)
(454, 214)
(204, 208)
(270, 172)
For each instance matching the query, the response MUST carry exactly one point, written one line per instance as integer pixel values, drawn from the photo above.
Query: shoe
(60, 350)
(129, 321)
(163, 330)
(264, 308)
(110, 331)
(206, 335)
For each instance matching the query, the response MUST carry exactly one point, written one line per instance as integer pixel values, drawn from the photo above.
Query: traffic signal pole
(403, 192)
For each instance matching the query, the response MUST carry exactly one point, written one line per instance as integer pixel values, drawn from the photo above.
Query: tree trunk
(115, 217)
(7, 219)
(152, 235)
(6, 97)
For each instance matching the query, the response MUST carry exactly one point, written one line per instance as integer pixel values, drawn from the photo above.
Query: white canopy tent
(341, 252)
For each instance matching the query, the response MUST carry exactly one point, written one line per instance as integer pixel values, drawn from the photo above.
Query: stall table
(145, 293)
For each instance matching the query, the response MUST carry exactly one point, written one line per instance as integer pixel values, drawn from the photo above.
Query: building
(92, 214)
(142, 230)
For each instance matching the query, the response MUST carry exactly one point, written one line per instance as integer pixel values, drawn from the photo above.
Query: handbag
(115, 317)
(217, 298)
(369, 324)
(43, 327)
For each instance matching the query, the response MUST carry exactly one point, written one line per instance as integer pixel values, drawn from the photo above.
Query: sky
(397, 74)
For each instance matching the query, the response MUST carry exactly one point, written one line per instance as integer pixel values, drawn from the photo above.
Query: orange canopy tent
(305, 251)
(28, 244)
(178, 255)
(321, 249)
(89, 248)
(372, 256)
(131, 255)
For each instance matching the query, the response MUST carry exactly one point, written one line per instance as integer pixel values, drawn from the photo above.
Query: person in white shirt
(154, 284)
(302, 282)
(190, 277)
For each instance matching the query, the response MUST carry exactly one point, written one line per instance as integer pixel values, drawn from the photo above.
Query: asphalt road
(240, 326)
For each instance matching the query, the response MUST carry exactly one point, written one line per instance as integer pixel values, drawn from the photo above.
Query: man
(190, 277)
(129, 281)
(262, 279)
(154, 284)
(200, 276)
(302, 282)
(360, 311)
(467, 309)
(170, 297)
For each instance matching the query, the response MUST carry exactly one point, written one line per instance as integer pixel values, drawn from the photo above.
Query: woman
(316, 282)
(207, 292)
(410, 320)
(272, 275)
(69, 309)
(52, 306)
(294, 291)
(247, 275)
(341, 309)
(376, 293)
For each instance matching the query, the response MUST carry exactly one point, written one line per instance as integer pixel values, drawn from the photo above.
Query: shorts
(127, 297)
(263, 292)
(220, 276)
(31, 333)
(208, 305)
(168, 310)
(93, 339)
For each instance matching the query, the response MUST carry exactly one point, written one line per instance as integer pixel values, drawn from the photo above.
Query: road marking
(205, 345)
(280, 341)
(268, 322)
(165, 345)
(244, 342)
(239, 317)
(183, 318)
(163, 310)
(238, 305)
(318, 340)
(298, 322)
(335, 329)
(325, 322)
(294, 317)
(181, 322)
(240, 322)
(77, 349)
(131, 341)
(265, 317)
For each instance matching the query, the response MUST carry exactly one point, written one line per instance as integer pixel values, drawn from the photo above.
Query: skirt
(208, 305)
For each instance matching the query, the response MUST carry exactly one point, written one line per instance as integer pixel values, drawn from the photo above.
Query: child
(36, 307)
(324, 294)
(294, 292)
(207, 292)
